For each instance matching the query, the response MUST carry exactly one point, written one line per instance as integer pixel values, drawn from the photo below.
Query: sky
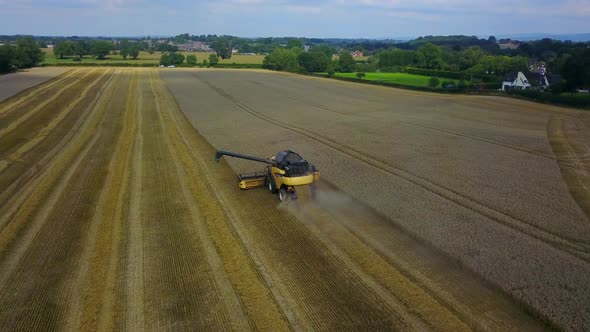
(278, 18)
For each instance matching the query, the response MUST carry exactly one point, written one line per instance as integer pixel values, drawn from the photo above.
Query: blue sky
(262, 18)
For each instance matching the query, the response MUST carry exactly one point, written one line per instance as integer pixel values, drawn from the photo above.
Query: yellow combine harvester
(285, 171)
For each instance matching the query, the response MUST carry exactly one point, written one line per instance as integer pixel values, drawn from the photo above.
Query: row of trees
(25, 53)
(81, 48)
(129, 49)
(318, 59)
(473, 60)
(177, 59)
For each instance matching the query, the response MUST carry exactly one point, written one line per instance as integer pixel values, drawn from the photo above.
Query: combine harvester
(285, 171)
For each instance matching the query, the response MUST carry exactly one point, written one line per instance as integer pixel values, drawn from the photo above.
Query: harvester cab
(284, 171)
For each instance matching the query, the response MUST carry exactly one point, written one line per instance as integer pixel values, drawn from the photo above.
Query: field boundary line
(576, 248)
(44, 132)
(37, 108)
(39, 88)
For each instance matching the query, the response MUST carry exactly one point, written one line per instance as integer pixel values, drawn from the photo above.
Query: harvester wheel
(282, 194)
(271, 186)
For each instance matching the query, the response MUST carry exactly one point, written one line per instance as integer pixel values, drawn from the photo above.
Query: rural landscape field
(434, 212)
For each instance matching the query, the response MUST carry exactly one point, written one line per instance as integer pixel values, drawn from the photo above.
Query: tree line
(429, 56)
(24, 53)
(177, 59)
(318, 59)
(81, 48)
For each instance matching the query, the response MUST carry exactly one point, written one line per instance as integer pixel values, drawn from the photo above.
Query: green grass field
(399, 78)
(145, 57)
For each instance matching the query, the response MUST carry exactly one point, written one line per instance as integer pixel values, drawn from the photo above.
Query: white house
(516, 81)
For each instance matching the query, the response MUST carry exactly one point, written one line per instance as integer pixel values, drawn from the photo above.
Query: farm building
(515, 81)
(357, 54)
(512, 45)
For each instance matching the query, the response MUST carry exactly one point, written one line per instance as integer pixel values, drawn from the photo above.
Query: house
(194, 46)
(515, 81)
(512, 45)
(357, 54)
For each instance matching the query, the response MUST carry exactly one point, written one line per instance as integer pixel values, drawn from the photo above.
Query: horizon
(585, 36)
(364, 19)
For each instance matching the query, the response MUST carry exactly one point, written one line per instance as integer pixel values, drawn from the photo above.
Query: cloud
(304, 9)
(329, 18)
(573, 8)
(113, 5)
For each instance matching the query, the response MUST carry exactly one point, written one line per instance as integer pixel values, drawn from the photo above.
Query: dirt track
(113, 215)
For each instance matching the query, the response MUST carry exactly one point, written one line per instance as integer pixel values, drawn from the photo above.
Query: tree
(360, 75)
(82, 48)
(213, 59)
(25, 54)
(470, 57)
(281, 59)
(7, 58)
(28, 51)
(63, 48)
(191, 59)
(101, 49)
(295, 43)
(516, 63)
(162, 47)
(346, 62)
(526, 49)
(172, 58)
(429, 56)
(396, 58)
(313, 61)
(124, 48)
(133, 50)
(576, 70)
(150, 45)
(222, 47)
(327, 50)
(433, 82)
(331, 70)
